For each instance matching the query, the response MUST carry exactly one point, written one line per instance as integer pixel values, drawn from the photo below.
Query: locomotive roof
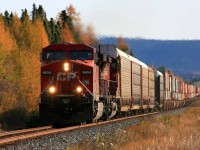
(121, 53)
(59, 46)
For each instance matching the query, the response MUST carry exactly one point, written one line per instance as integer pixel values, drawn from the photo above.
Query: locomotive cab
(67, 83)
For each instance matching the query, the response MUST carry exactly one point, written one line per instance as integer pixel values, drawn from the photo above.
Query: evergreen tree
(11, 18)
(41, 13)
(57, 33)
(65, 20)
(34, 12)
(46, 24)
(7, 18)
(25, 16)
(38, 13)
(53, 30)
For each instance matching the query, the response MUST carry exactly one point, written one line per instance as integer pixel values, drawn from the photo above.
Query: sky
(150, 19)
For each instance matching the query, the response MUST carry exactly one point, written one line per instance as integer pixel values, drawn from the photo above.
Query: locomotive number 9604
(87, 72)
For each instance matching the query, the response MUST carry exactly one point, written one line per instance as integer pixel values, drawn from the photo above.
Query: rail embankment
(178, 129)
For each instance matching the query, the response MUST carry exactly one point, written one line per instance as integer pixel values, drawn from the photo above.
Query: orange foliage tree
(8, 99)
(20, 46)
(123, 45)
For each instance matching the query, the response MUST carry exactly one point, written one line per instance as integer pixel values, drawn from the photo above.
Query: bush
(33, 120)
(13, 119)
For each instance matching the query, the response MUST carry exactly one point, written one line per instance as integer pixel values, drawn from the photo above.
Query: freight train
(82, 83)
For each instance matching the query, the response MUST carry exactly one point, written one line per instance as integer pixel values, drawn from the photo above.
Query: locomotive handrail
(84, 85)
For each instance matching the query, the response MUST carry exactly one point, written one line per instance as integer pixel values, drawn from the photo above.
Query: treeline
(21, 41)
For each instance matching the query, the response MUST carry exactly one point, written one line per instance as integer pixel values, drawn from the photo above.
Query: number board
(87, 72)
(46, 72)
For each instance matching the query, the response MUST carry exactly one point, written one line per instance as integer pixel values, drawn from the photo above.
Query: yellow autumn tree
(31, 64)
(40, 33)
(30, 38)
(8, 99)
(20, 45)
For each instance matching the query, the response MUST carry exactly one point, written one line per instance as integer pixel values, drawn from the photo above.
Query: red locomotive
(80, 83)
(77, 82)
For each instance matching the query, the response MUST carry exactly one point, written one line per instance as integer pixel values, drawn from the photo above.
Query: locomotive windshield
(54, 55)
(80, 55)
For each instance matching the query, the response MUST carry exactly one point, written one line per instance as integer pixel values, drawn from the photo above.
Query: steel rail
(16, 133)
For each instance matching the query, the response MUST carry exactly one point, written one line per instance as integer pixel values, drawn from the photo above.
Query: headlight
(66, 66)
(52, 89)
(79, 89)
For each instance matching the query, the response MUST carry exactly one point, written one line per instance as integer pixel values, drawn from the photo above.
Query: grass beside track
(169, 131)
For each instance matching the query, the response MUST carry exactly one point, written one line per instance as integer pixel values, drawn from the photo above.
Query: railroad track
(24, 131)
(9, 138)
(13, 136)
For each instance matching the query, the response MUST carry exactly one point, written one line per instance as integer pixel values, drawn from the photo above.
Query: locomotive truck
(82, 83)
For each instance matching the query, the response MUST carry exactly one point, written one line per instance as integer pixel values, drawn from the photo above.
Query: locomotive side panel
(104, 80)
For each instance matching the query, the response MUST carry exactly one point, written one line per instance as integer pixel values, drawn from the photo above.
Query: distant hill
(182, 56)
